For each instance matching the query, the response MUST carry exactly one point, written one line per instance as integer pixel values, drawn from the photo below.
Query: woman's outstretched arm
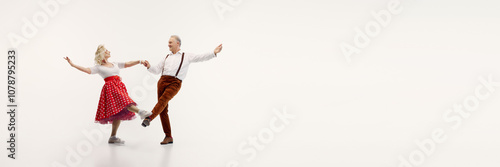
(133, 63)
(83, 69)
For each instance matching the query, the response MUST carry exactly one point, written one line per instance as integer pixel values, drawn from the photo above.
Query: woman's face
(107, 54)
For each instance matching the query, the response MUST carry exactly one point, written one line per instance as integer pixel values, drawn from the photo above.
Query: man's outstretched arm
(217, 49)
(153, 69)
(204, 57)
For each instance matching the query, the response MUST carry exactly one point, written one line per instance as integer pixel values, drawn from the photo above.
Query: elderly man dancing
(173, 70)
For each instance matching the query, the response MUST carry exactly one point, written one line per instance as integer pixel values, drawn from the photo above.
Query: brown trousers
(168, 86)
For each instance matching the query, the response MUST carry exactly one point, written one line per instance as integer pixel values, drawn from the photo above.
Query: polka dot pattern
(113, 102)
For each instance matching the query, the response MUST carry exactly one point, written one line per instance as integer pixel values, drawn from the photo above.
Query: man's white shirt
(170, 65)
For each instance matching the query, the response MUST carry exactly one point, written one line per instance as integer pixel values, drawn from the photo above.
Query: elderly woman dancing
(115, 104)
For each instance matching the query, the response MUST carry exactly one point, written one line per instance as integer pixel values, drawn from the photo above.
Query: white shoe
(144, 113)
(115, 140)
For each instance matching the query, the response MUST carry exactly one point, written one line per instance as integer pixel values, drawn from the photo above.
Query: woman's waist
(113, 78)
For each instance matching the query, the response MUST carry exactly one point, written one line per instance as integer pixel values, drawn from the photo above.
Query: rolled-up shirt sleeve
(200, 57)
(157, 68)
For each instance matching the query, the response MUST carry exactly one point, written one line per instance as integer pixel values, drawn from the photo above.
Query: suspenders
(180, 65)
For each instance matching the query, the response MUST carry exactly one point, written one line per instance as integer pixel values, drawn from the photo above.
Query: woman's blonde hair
(99, 54)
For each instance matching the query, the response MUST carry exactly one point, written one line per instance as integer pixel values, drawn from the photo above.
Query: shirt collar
(178, 52)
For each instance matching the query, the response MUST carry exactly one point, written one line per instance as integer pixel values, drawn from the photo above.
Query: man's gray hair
(177, 38)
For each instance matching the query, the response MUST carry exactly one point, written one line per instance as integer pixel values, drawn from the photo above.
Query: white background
(276, 55)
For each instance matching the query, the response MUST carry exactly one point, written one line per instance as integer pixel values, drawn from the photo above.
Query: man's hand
(146, 64)
(218, 49)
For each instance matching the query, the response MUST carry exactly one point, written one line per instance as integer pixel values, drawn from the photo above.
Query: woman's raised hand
(69, 61)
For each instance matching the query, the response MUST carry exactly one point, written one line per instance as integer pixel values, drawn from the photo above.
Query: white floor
(301, 142)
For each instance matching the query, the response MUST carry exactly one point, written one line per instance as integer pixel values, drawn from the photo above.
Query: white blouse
(107, 71)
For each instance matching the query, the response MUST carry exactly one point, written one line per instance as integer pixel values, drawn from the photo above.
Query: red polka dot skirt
(113, 102)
